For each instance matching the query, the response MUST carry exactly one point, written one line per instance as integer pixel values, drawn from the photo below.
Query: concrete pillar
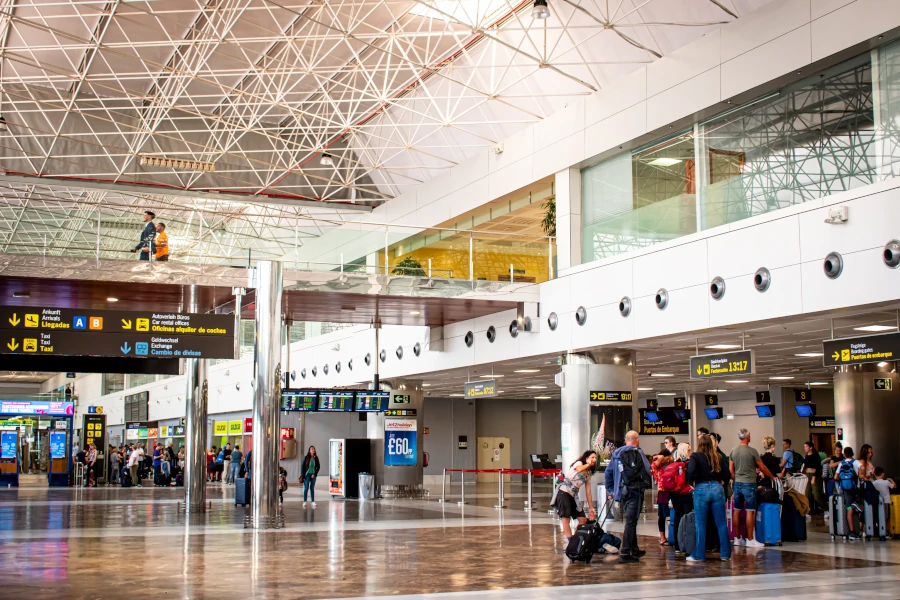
(401, 480)
(196, 402)
(266, 402)
(581, 374)
(867, 415)
(567, 189)
(375, 433)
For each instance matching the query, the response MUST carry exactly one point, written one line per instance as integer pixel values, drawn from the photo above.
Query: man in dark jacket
(630, 494)
(145, 246)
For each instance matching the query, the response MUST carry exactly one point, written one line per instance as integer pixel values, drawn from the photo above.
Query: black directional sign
(723, 364)
(113, 333)
(763, 397)
(611, 396)
(883, 383)
(860, 350)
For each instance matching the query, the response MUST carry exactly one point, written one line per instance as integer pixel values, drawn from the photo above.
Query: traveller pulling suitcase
(586, 539)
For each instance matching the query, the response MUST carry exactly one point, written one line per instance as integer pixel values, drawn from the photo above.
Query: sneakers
(304, 504)
(610, 549)
(639, 554)
(754, 544)
(725, 559)
(679, 554)
(856, 507)
(853, 537)
(313, 504)
(692, 559)
(739, 541)
(627, 558)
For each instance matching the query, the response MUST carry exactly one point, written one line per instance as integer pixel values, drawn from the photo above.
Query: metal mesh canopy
(336, 100)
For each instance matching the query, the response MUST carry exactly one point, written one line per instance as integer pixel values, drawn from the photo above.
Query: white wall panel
(515, 148)
(687, 311)
(772, 245)
(616, 130)
(874, 221)
(742, 303)
(821, 8)
(434, 213)
(510, 178)
(853, 24)
(764, 25)
(604, 325)
(769, 61)
(467, 198)
(685, 63)
(560, 125)
(473, 169)
(625, 93)
(606, 285)
(562, 154)
(865, 279)
(683, 266)
(684, 99)
(556, 296)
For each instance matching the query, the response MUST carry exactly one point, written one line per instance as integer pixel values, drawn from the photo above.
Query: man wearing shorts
(745, 460)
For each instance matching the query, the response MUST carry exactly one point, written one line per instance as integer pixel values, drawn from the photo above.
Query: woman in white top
(578, 476)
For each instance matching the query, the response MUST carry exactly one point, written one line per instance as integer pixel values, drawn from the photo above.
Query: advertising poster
(8, 444)
(400, 442)
(58, 444)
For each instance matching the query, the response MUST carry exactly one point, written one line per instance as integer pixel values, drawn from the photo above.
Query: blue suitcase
(768, 524)
(242, 491)
(671, 537)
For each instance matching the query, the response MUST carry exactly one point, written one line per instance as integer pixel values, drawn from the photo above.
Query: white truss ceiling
(396, 91)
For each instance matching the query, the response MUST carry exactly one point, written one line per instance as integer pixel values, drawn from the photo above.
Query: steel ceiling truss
(396, 92)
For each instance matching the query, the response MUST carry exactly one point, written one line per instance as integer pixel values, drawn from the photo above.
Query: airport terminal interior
(450, 298)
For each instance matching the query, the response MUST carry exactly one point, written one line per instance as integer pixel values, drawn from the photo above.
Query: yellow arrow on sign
(126, 323)
(12, 345)
(699, 369)
(836, 355)
(14, 320)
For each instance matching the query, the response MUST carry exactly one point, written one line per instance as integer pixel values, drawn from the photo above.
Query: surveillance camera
(838, 215)
(498, 149)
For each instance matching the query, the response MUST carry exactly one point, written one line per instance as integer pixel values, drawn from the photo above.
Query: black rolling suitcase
(242, 492)
(586, 540)
(124, 477)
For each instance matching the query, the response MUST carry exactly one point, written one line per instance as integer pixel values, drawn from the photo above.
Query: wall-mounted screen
(765, 411)
(335, 401)
(652, 417)
(371, 401)
(713, 413)
(298, 400)
(806, 410)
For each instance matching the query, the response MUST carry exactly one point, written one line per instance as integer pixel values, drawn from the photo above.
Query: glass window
(112, 382)
(835, 131)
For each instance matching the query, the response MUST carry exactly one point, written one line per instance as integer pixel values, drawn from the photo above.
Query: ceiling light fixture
(817, 383)
(661, 375)
(414, 312)
(722, 346)
(736, 381)
(809, 355)
(326, 160)
(717, 391)
(540, 10)
(781, 377)
(871, 328)
(665, 394)
(457, 395)
(426, 385)
(491, 376)
(112, 299)
(536, 387)
(882, 364)
(527, 371)
(21, 294)
(664, 162)
(542, 397)
(645, 389)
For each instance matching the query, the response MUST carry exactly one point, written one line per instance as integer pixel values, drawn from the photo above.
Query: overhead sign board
(298, 400)
(723, 364)
(603, 396)
(883, 383)
(335, 401)
(763, 397)
(711, 399)
(400, 412)
(372, 401)
(860, 350)
(36, 407)
(822, 422)
(481, 389)
(802, 395)
(664, 421)
(115, 333)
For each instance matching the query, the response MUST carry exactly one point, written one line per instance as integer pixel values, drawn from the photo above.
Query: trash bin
(366, 486)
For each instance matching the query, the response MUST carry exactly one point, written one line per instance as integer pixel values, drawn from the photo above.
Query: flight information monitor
(713, 413)
(765, 411)
(369, 401)
(806, 410)
(335, 401)
(298, 400)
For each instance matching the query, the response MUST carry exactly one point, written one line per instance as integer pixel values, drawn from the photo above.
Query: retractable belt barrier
(531, 473)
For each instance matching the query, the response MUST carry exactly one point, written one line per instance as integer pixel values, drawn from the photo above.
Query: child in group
(884, 485)
(282, 484)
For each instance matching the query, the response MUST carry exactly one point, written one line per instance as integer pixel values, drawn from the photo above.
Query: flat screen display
(713, 413)
(298, 400)
(335, 401)
(806, 410)
(682, 415)
(765, 411)
(652, 417)
(368, 401)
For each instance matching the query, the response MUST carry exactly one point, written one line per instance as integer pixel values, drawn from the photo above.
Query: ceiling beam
(137, 188)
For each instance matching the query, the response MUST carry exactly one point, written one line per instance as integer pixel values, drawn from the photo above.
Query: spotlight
(326, 160)
(3, 125)
(540, 10)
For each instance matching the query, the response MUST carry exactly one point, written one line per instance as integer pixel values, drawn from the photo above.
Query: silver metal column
(196, 399)
(267, 374)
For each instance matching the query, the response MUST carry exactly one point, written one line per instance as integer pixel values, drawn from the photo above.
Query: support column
(195, 414)
(267, 375)
(567, 189)
(401, 481)
(867, 415)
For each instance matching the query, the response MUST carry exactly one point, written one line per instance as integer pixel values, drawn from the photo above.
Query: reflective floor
(137, 543)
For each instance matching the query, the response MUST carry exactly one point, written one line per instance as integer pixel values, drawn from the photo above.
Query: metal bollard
(443, 487)
(462, 485)
(529, 504)
(500, 493)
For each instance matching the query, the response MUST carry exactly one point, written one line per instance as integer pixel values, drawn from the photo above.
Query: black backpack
(634, 474)
(797, 462)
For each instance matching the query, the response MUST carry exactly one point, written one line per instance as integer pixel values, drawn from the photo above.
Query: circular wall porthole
(303, 373)
(337, 367)
(491, 334)
(383, 355)
(581, 315)
(553, 321)
(314, 371)
(717, 288)
(469, 339)
(350, 364)
(833, 265)
(368, 359)
(661, 299)
(417, 349)
(625, 306)
(400, 352)
(514, 328)
(325, 370)
(762, 279)
(892, 254)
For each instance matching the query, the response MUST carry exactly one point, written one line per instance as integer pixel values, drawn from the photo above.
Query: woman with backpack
(662, 497)
(707, 475)
(578, 476)
(681, 495)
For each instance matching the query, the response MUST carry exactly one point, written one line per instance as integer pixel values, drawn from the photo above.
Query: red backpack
(672, 478)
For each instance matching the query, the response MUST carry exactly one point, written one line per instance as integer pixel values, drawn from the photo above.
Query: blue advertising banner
(8, 444)
(57, 444)
(400, 443)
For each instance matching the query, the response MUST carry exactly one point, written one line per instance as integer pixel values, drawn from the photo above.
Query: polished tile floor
(136, 543)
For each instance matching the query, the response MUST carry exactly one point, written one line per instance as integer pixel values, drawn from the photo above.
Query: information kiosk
(36, 438)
